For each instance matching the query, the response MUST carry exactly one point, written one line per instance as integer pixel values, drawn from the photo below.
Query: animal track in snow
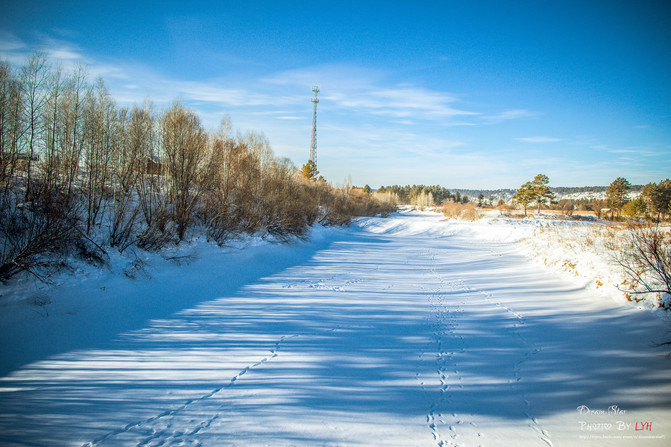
(444, 322)
(531, 350)
(158, 437)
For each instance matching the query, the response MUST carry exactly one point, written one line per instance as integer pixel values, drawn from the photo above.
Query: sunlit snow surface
(401, 331)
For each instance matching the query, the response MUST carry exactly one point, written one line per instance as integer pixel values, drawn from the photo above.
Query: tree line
(80, 175)
(422, 195)
(653, 202)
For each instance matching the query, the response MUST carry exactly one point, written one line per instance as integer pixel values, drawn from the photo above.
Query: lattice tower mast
(313, 139)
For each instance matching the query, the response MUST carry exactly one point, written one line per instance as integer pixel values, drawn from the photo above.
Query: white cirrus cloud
(539, 139)
(512, 114)
(9, 42)
(362, 90)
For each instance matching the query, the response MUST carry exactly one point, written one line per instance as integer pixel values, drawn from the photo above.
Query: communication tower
(313, 139)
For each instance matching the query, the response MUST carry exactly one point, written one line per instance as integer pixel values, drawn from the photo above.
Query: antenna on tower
(313, 139)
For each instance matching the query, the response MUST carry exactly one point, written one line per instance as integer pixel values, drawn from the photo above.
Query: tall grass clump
(463, 211)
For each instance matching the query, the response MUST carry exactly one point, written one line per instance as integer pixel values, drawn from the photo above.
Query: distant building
(154, 165)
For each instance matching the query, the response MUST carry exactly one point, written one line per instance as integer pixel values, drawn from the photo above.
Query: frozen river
(398, 331)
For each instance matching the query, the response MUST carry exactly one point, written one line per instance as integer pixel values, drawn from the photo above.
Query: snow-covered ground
(581, 251)
(404, 331)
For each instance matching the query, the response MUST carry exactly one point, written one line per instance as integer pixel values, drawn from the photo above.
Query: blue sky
(466, 94)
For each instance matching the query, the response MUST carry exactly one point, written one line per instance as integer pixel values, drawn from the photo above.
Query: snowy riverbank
(583, 252)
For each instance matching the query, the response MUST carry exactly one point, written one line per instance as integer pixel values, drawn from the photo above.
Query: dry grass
(461, 211)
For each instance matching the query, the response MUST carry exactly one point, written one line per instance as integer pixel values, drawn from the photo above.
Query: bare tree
(125, 168)
(6, 84)
(52, 132)
(34, 77)
(184, 144)
(11, 127)
(142, 141)
(72, 137)
(98, 132)
(34, 218)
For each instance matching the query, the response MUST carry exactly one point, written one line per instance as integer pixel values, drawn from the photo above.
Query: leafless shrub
(122, 223)
(339, 206)
(288, 207)
(388, 199)
(181, 259)
(137, 268)
(646, 259)
(160, 233)
(465, 211)
(29, 231)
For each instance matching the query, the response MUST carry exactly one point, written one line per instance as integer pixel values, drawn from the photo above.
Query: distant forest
(407, 193)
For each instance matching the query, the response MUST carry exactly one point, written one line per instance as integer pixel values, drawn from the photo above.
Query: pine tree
(541, 190)
(616, 194)
(658, 197)
(309, 170)
(525, 195)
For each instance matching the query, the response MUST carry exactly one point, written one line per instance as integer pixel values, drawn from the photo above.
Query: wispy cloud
(512, 114)
(60, 52)
(212, 91)
(638, 151)
(367, 91)
(12, 49)
(9, 42)
(348, 89)
(539, 139)
(402, 102)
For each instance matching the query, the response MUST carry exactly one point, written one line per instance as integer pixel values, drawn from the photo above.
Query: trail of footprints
(531, 350)
(155, 436)
(159, 430)
(331, 283)
(445, 322)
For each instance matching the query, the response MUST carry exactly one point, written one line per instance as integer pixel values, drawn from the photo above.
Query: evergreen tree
(309, 170)
(541, 190)
(616, 194)
(525, 195)
(635, 207)
(658, 197)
